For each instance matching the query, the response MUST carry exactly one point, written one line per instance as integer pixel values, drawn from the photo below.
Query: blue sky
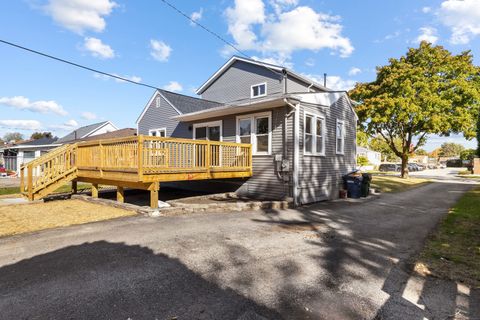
(147, 41)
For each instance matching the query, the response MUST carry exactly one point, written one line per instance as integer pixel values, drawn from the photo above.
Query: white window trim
(260, 95)
(314, 134)
(209, 124)
(158, 131)
(343, 137)
(253, 133)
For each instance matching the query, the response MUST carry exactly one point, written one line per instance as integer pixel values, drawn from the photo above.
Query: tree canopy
(427, 91)
(468, 154)
(451, 149)
(40, 135)
(13, 136)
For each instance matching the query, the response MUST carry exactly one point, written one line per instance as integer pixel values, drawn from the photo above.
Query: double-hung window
(314, 137)
(258, 90)
(257, 130)
(340, 137)
(161, 132)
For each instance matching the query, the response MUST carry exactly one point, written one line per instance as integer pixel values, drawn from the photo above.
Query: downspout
(296, 151)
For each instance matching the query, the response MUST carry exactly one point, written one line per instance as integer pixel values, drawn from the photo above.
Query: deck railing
(148, 155)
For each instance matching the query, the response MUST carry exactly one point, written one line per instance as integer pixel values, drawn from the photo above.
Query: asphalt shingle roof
(39, 142)
(80, 132)
(187, 104)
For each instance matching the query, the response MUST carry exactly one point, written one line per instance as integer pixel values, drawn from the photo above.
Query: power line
(214, 34)
(205, 28)
(78, 65)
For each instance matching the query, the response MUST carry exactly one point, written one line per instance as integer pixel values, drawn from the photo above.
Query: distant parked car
(385, 167)
(412, 167)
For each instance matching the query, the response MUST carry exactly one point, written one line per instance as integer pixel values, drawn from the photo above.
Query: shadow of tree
(103, 280)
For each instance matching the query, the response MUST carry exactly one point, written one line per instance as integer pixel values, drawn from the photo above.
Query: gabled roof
(275, 68)
(121, 133)
(38, 142)
(180, 102)
(83, 131)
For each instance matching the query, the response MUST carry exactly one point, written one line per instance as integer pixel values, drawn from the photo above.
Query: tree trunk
(404, 173)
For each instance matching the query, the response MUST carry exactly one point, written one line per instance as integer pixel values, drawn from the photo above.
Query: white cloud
(354, 71)
(463, 19)
(286, 30)
(196, 16)
(80, 15)
(21, 124)
(275, 60)
(98, 49)
(160, 50)
(106, 78)
(333, 82)
(310, 62)
(40, 106)
(428, 34)
(69, 125)
(426, 9)
(173, 86)
(89, 115)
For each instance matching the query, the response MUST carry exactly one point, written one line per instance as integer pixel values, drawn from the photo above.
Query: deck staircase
(42, 176)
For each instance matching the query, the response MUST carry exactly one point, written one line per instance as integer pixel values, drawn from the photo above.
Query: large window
(161, 132)
(314, 137)
(259, 90)
(208, 131)
(257, 130)
(340, 137)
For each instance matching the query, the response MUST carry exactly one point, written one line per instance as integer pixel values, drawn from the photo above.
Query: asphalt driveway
(326, 261)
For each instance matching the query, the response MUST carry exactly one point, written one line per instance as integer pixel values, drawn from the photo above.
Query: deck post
(22, 177)
(95, 190)
(74, 186)
(30, 182)
(120, 194)
(155, 186)
(140, 156)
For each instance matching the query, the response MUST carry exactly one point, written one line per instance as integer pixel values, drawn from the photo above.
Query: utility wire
(228, 43)
(78, 65)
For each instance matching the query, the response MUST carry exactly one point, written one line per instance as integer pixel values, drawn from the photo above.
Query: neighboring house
(374, 157)
(420, 159)
(17, 154)
(302, 134)
(88, 131)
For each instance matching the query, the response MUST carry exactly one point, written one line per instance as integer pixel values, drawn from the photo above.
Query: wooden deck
(140, 162)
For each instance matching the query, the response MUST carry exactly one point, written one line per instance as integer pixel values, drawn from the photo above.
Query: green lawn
(65, 188)
(453, 251)
(396, 184)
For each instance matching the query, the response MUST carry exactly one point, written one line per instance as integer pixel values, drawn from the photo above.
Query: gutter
(296, 150)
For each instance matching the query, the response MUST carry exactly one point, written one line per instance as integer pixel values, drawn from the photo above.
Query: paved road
(328, 261)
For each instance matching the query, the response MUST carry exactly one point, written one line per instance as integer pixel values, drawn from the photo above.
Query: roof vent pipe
(285, 78)
(325, 80)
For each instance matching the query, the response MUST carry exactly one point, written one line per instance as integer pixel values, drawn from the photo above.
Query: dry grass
(453, 251)
(396, 184)
(21, 218)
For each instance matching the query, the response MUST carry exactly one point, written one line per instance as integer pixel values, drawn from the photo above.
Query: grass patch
(396, 184)
(22, 218)
(65, 188)
(453, 251)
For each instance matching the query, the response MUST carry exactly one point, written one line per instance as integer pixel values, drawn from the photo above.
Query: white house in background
(374, 157)
(16, 155)
(88, 131)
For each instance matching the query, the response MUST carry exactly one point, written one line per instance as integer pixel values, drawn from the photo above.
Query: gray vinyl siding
(295, 85)
(320, 177)
(235, 83)
(264, 184)
(160, 117)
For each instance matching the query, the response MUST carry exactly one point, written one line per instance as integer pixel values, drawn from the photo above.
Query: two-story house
(302, 133)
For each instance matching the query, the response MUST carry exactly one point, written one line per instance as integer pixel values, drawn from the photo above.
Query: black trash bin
(365, 188)
(353, 184)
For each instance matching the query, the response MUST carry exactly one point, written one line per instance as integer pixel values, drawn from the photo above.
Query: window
(257, 130)
(259, 90)
(340, 136)
(314, 137)
(208, 131)
(157, 102)
(162, 132)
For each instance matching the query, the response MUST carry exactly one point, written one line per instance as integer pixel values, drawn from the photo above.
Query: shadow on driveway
(103, 280)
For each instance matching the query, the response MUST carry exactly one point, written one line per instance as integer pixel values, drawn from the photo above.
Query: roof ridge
(184, 95)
